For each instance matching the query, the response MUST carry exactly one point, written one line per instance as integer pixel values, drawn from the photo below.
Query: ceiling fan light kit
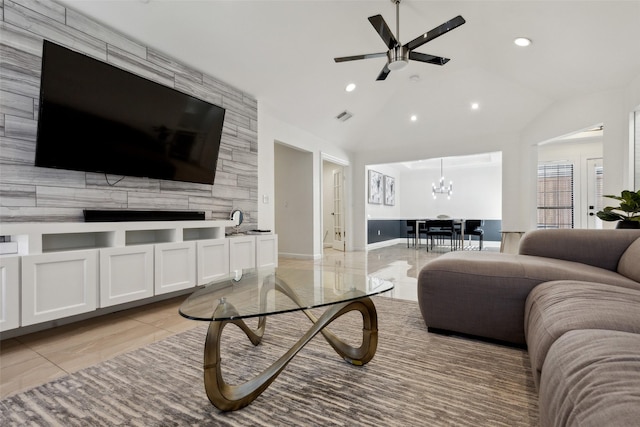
(398, 55)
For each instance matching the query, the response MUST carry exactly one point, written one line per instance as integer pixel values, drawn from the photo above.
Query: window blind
(555, 195)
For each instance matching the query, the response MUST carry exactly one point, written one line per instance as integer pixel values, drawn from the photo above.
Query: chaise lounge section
(572, 297)
(483, 293)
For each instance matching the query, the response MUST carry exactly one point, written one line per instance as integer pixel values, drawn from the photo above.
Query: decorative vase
(628, 224)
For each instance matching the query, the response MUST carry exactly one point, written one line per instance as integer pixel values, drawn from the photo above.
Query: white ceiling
(282, 53)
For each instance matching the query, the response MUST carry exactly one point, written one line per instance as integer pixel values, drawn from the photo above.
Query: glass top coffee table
(265, 292)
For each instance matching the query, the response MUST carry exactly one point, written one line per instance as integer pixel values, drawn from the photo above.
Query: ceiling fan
(399, 55)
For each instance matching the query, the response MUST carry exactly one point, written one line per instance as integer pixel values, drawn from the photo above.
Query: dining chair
(411, 231)
(472, 227)
(441, 228)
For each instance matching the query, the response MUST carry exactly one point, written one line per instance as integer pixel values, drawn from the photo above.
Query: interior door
(338, 210)
(595, 175)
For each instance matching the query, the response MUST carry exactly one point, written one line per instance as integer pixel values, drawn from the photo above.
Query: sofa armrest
(599, 248)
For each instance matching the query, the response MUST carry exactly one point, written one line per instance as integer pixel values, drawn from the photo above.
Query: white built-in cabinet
(126, 274)
(66, 269)
(175, 266)
(58, 284)
(266, 250)
(213, 260)
(9, 293)
(242, 252)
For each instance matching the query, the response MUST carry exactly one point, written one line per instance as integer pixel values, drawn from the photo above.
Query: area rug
(415, 379)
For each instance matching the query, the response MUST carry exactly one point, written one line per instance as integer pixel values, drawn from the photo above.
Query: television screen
(98, 118)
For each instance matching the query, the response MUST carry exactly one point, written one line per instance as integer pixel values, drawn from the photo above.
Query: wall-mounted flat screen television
(98, 118)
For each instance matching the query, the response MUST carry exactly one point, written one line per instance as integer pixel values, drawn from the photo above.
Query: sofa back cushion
(599, 248)
(629, 265)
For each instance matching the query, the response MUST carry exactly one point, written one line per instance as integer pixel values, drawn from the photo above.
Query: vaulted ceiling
(282, 53)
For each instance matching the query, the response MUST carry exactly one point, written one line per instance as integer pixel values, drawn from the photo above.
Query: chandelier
(442, 189)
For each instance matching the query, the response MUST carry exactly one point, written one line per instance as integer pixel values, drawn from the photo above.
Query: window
(555, 196)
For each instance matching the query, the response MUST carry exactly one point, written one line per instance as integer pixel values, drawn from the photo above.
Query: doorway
(333, 204)
(293, 201)
(581, 152)
(595, 182)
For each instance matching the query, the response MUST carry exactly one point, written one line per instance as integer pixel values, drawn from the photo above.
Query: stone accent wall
(32, 194)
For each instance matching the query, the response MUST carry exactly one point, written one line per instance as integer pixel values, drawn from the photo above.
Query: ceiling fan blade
(384, 73)
(430, 59)
(383, 29)
(436, 32)
(356, 57)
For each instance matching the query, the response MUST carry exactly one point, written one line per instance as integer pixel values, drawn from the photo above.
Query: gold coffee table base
(231, 397)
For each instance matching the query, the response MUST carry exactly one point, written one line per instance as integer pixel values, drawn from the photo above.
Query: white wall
(519, 157)
(272, 130)
(477, 192)
(382, 211)
(612, 109)
(507, 144)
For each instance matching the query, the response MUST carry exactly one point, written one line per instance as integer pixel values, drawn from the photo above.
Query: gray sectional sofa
(572, 297)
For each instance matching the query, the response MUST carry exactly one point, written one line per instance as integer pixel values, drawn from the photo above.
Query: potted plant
(627, 213)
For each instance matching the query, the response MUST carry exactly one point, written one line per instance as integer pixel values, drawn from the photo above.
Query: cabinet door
(126, 274)
(56, 285)
(9, 292)
(242, 252)
(213, 259)
(267, 250)
(175, 266)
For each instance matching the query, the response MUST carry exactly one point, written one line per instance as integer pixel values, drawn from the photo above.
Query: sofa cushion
(629, 265)
(591, 378)
(599, 248)
(554, 308)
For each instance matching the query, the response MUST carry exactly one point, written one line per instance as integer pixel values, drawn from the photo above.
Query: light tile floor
(30, 360)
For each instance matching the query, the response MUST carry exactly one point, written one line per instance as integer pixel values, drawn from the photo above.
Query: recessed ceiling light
(414, 118)
(522, 41)
(475, 105)
(350, 87)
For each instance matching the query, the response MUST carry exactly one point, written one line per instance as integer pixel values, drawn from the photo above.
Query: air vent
(344, 116)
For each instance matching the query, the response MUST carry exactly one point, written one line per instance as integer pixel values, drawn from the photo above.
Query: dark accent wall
(380, 230)
(30, 194)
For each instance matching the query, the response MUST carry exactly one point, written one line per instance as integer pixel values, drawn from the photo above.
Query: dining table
(456, 222)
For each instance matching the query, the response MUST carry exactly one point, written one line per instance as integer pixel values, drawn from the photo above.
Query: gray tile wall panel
(181, 70)
(99, 31)
(50, 10)
(33, 22)
(38, 214)
(35, 194)
(19, 127)
(59, 197)
(16, 151)
(20, 39)
(19, 70)
(18, 195)
(158, 201)
(130, 183)
(191, 86)
(27, 174)
(16, 105)
(133, 64)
